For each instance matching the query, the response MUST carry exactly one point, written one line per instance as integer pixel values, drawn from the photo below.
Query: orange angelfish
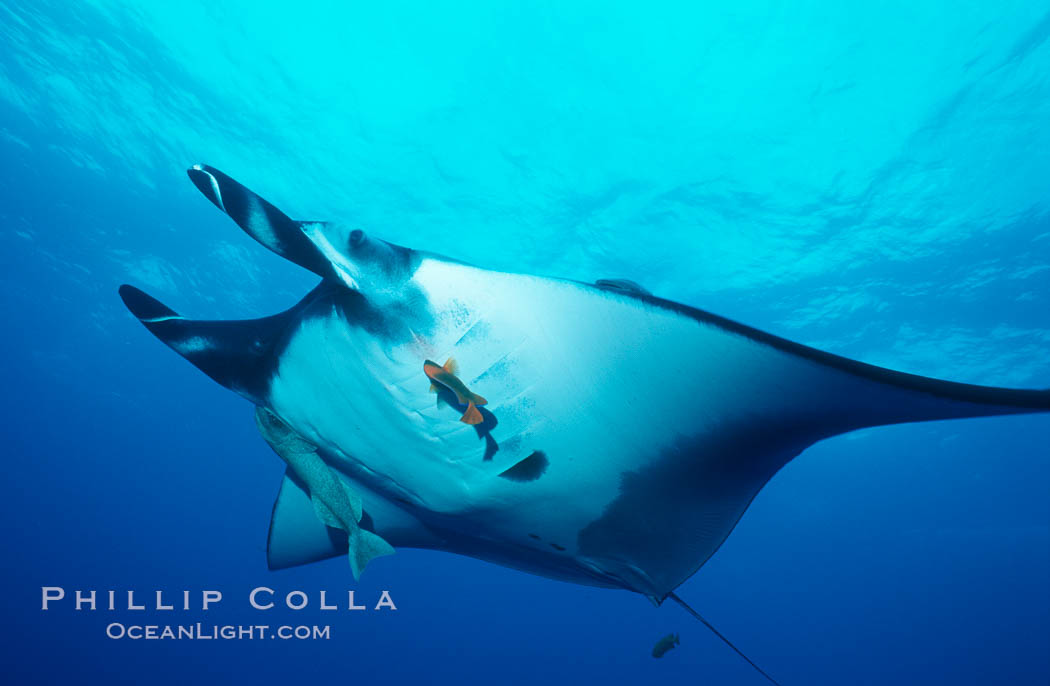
(446, 376)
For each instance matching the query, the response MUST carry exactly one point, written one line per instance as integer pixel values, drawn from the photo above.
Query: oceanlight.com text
(209, 632)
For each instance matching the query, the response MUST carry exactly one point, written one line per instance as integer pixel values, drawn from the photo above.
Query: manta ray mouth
(207, 184)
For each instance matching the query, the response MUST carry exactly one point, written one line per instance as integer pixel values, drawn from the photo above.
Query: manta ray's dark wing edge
(920, 398)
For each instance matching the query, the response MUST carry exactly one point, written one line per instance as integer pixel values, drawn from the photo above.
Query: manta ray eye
(357, 237)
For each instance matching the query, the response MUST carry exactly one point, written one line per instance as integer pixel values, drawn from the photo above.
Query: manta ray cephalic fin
(259, 218)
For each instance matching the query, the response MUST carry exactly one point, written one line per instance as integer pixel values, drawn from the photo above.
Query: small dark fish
(664, 644)
(446, 376)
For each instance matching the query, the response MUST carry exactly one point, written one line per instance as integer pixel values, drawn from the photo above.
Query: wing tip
(145, 307)
(205, 179)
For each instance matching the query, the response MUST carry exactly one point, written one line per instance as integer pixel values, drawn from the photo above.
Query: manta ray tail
(716, 632)
(236, 354)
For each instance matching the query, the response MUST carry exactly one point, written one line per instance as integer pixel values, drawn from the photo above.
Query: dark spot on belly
(557, 547)
(534, 536)
(529, 469)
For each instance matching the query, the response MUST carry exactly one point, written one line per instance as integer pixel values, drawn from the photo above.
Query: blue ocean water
(871, 181)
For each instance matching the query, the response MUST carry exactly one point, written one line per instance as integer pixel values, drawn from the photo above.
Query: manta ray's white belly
(600, 386)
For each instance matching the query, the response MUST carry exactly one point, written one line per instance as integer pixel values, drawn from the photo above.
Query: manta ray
(623, 437)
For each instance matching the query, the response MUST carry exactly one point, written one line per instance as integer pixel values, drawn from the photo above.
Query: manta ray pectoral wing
(867, 395)
(260, 219)
(835, 394)
(764, 402)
